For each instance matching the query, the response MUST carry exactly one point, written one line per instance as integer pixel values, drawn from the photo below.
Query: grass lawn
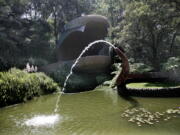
(150, 85)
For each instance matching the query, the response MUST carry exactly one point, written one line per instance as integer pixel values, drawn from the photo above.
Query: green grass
(149, 85)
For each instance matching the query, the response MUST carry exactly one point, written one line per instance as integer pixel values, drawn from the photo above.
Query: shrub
(18, 86)
(172, 63)
(46, 83)
(140, 68)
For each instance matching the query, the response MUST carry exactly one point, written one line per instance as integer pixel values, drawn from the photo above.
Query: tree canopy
(149, 30)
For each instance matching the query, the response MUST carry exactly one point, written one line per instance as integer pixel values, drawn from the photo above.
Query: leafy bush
(134, 67)
(18, 86)
(46, 83)
(172, 63)
(140, 68)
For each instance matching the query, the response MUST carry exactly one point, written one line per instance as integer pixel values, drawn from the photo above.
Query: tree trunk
(154, 47)
(155, 59)
(172, 42)
(55, 29)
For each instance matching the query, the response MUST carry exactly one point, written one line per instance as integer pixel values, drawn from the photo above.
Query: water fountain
(85, 26)
(77, 34)
(52, 119)
(44, 120)
(77, 60)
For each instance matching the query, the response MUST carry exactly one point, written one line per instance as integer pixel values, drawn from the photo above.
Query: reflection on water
(134, 103)
(96, 112)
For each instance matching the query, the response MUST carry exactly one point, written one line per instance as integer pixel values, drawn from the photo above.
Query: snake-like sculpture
(125, 77)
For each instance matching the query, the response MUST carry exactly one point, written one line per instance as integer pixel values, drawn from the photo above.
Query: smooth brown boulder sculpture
(95, 63)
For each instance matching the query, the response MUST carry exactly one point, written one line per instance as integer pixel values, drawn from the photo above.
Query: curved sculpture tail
(125, 77)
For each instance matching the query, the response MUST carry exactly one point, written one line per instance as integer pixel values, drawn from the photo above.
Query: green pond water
(98, 112)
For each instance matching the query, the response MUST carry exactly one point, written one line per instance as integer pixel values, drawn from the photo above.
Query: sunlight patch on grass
(150, 85)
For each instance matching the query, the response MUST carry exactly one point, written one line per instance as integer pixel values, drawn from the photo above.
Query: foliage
(6, 64)
(58, 12)
(22, 38)
(31, 28)
(172, 63)
(18, 86)
(36, 61)
(140, 68)
(148, 30)
(46, 83)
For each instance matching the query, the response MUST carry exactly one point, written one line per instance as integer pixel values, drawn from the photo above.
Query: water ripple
(43, 120)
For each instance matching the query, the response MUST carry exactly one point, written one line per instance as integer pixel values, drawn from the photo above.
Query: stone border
(148, 92)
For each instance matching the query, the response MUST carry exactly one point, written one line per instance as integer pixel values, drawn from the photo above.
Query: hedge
(19, 86)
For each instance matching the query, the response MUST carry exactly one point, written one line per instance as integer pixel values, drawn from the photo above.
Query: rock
(79, 81)
(94, 66)
(78, 33)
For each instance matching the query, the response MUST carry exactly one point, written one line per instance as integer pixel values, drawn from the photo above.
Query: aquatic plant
(142, 116)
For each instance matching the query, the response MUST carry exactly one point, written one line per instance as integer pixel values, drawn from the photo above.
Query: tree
(59, 12)
(29, 28)
(21, 37)
(148, 28)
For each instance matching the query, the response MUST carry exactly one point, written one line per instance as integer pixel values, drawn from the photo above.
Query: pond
(98, 112)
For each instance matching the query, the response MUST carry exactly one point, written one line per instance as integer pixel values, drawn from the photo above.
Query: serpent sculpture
(125, 77)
